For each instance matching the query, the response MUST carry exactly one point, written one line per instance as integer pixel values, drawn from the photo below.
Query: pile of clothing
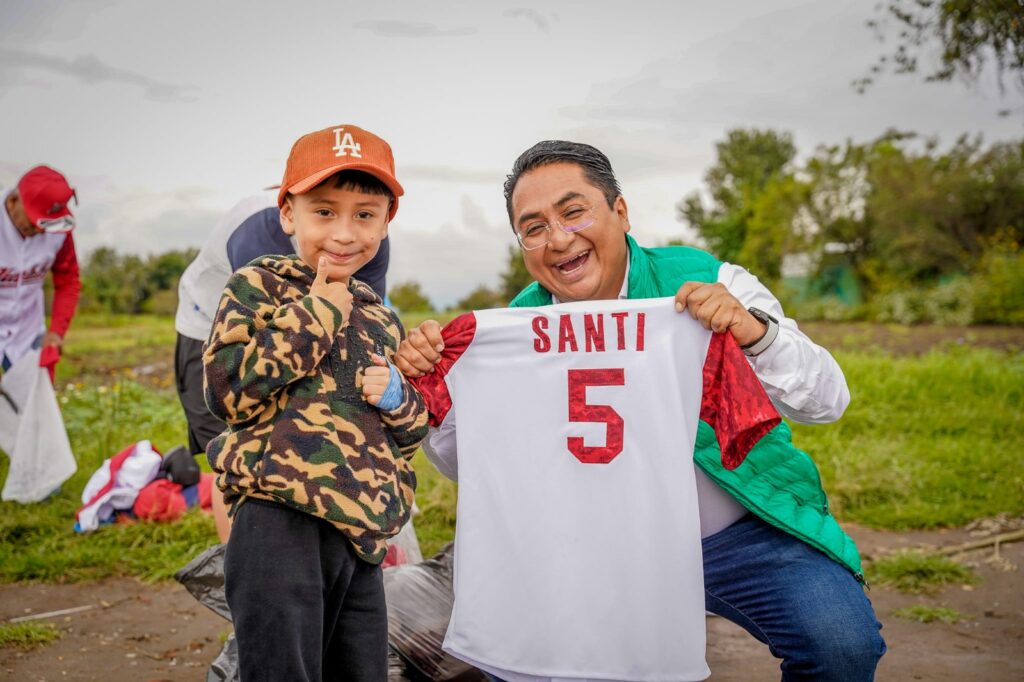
(140, 483)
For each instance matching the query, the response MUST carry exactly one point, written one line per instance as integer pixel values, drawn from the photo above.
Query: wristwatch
(772, 331)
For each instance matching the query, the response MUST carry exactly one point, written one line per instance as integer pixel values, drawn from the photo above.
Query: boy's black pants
(305, 607)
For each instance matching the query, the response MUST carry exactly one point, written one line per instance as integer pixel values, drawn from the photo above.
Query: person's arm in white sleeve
(802, 379)
(440, 447)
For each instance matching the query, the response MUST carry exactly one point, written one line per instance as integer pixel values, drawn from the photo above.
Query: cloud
(539, 20)
(453, 258)
(133, 221)
(700, 91)
(450, 174)
(410, 29)
(91, 70)
(31, 21)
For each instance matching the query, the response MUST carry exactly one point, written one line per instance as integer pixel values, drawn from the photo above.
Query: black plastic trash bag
(419, 598)
(203, 577)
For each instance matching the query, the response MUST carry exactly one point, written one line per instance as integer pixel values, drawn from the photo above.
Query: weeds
(27, 636)
(435, 497)
(37, 542)
(917, 572)
(929, 614)
(927, 441)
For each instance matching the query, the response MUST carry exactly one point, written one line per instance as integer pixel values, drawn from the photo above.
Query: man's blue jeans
(808, 609)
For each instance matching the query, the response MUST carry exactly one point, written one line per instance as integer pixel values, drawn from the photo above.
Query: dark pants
(188, 377)
(304, 606)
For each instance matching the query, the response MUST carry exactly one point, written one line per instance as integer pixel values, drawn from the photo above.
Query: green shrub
(827, 308)
(999, 284)
(903, 306)
(950, 303)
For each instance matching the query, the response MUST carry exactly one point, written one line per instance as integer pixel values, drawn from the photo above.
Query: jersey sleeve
(734, 403)
(259, 235)
(66, 287)
(457, 335)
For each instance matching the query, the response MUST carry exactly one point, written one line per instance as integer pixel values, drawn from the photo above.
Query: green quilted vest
(777, 481)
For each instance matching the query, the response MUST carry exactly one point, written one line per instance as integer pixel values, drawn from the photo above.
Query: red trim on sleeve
(734, 401)
(457, 335)
(66, 286)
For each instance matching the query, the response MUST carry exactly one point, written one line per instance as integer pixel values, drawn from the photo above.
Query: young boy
(315, 461)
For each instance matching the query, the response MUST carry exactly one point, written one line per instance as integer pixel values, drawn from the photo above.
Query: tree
(481, 298)
(749, 161)
(116, 283)
(966, 34)
(166, 268)
(773, 229)
(906, 214)
(408, 297)
(515, 278)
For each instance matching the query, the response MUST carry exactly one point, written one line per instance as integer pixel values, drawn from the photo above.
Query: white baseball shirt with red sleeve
(578, 550)
(24, 262)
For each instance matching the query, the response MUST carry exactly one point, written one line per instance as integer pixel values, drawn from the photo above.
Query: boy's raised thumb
(321, 271)
(378, 360)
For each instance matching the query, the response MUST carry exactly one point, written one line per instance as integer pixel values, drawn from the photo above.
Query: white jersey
(24, 263)
(202, 283)
(578, 548)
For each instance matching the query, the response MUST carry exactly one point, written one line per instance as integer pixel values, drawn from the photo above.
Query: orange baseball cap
(317, 156)
(44, 194)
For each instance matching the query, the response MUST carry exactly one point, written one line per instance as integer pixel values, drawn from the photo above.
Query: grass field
(930, 440)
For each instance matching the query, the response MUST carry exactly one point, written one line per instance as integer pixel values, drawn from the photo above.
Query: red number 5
(581, 411)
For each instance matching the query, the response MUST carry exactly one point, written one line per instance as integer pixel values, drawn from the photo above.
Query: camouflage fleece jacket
(283, 369)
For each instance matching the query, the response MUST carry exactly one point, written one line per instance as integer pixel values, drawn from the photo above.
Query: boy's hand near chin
(335, 292)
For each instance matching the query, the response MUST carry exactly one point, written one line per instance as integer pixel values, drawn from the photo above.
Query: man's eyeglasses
(536, 234)
(56, 225)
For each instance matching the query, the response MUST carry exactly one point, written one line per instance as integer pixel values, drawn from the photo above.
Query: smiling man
(775, 561)
(35, 238)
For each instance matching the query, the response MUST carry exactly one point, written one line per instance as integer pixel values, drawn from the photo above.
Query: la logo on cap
(344, 144)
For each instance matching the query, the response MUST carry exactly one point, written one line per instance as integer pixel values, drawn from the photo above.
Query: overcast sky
(164, 114)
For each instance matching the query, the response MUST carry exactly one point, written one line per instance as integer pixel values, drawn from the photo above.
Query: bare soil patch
(988, 645)
(159, 632)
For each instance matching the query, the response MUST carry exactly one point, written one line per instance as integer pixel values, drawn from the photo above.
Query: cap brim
(35, 218)
(308, 183)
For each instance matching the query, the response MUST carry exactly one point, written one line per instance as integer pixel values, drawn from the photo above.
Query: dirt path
(157, 633)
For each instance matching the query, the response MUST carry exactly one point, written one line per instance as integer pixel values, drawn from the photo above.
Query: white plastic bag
(34, 436)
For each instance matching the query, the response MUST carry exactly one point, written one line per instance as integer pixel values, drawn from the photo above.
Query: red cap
(45, 194)
(317, 156)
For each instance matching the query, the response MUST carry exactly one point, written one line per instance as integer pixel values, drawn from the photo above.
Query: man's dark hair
(597, 169)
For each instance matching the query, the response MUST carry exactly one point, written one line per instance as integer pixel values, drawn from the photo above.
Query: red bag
(161, 500)
(48, 358)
